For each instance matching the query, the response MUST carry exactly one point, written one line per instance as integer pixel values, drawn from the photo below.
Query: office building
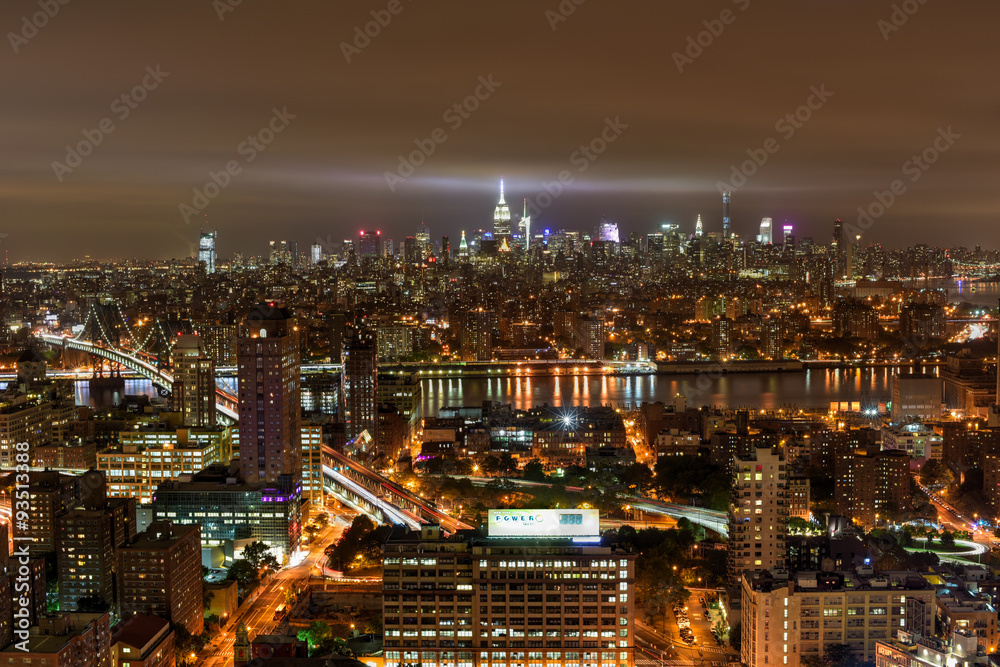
(160, 575)
(765, 236)
(148, 457)
(269, 396)
(758, 513)
(403, 390)
(525, 595)
(916, 396)
(315, 254)
(193, 392)
(228, 509)
(871, 487)
(359, 383)
(794, 620)
(369, 244)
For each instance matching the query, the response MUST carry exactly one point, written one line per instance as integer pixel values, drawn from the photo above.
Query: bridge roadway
(375, 487)
(225, 402)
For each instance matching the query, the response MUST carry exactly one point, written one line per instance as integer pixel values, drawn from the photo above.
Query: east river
(814, 388)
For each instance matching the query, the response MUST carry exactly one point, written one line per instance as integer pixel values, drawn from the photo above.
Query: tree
(736, 637)
(259, 555)
(319, 636)
(534, 471)
(947, 539)
(245, 575)
(92, 604)
(936, 474)
(206, 595)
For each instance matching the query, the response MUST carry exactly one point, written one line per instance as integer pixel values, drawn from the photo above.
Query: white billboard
(544, 523)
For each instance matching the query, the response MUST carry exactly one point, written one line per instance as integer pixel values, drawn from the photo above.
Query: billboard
(544, 523)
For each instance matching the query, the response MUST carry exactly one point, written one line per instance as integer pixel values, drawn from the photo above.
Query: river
(814, 388)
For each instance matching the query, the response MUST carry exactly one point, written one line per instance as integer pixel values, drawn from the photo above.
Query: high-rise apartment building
(589, 336)
(530, 600)
(193, 392)
(359, 383)
(269, 395)
(758, 513)
(871, 486)
(88, 541)
(160, 574)
(477, 335)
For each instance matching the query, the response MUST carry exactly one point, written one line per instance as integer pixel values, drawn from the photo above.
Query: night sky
(561, 78)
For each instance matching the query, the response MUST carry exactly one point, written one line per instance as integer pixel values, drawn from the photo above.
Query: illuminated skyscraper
(699, 228)
(268, 363)
(524, 226)
(766, 235)
(463, 246)
(369, 244)
(193, 392)
(501, 218)
(206, 251)
(727, 198)
(609, 232)
(788, 235)
(316, 255)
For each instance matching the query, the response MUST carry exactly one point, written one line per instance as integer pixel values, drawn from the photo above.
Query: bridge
(225, 404)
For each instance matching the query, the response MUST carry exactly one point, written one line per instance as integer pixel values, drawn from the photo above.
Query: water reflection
(809, 389)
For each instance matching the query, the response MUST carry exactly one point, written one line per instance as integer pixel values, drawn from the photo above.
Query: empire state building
(501, 219)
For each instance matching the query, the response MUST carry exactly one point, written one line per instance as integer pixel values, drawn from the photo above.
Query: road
(259, 616)
(651, 643)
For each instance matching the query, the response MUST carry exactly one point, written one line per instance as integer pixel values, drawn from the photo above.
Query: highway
(427, 509)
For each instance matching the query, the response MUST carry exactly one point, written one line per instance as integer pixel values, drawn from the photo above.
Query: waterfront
(812, 388)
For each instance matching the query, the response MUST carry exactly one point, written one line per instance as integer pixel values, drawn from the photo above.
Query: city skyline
(335, 125)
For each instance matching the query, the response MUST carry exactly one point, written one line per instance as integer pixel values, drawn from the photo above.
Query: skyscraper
(788, 235)
(501, 218)
(727, 198)
(359, 383)
(193, 391)
(699, 228)
(268, 362)
(369, 244)
(206, 251)
(766, 235)
(463, 246)
(316, 254)
(525, 225)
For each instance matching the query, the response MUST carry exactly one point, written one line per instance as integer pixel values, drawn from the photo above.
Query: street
(259, 616)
